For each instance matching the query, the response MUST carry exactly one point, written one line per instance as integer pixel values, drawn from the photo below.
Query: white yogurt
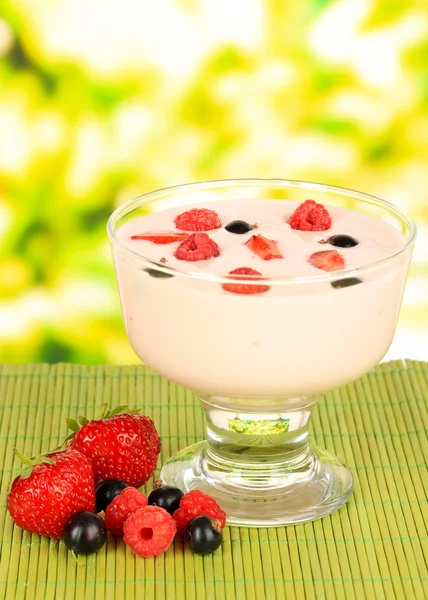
(296, 339)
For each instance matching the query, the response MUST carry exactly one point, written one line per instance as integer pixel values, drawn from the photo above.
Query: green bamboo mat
(375, 547)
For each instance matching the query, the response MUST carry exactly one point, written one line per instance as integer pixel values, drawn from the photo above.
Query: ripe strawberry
(194, 504)
(56, 486)
(263, 247)
(198, 246)
(310, 216)
(198, 219)
(120, 446)
(161, 237)
(246, 274)
(327, 260)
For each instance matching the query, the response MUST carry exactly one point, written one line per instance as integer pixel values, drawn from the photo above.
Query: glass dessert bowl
(260, 360)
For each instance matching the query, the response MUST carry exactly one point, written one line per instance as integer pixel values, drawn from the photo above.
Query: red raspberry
(195, 504)
(197, 219)
(327, 260)
(161, 237)
(198, 246)
(149, 531)
(121, 507)
(310, 216)
(244, 288)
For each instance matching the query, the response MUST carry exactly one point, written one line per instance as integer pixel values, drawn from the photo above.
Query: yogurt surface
(376, 239)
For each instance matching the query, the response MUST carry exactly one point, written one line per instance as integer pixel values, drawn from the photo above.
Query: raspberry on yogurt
(198, 246)
(198, 219)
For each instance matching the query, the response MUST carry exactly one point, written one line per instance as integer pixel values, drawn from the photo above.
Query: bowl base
(269, 498)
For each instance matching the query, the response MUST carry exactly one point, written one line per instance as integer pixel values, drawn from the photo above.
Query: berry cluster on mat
(149, 524)
(196, 245)
(88, 486)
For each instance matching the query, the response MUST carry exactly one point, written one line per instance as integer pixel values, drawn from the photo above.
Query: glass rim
(128, 206)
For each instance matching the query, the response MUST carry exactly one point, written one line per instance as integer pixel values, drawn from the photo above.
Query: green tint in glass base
(261, 467)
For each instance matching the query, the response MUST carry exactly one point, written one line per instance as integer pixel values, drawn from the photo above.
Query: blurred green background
(102, 100)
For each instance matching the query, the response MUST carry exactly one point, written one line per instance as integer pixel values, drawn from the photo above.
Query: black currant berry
(342, 283)
(203, 535)
(84, 532)
(341, 241)
(239, 227)
(166, 497)
(106, 491)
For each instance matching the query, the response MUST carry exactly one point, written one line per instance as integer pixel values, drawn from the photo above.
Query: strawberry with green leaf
(122, 444)
(49, 490)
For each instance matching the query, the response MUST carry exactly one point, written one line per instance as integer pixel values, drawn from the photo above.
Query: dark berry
(341, 241)
(342, 283)
(166, 497)
(239, 227)
(203, 535)
(106, 491)
(84, 532)
(156, 273)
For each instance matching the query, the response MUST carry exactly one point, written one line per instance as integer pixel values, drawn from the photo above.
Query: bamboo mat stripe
(375, 547)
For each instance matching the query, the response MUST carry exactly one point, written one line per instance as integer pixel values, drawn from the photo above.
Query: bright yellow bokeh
(102, 100)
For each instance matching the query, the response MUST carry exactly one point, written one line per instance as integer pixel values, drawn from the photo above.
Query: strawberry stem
(118, 409)
(32, 462)
(72, 424)
(123, 408)
(104, 411)
(68, 438)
